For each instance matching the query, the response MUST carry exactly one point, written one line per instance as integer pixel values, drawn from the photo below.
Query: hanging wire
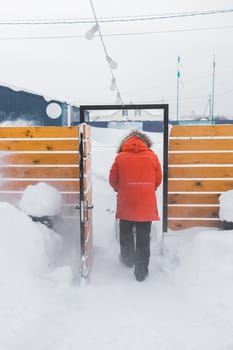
(111, 63)
(114, 19)
(123, 34)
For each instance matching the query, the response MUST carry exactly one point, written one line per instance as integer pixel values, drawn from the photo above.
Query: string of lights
(112, 19)
(111, 63)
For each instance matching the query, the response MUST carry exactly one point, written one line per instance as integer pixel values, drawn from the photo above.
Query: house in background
(33, 109)
(141, 119)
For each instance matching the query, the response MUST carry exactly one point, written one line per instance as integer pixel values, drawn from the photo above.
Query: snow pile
(41, 200)
(226, 206)
(18, 122)
(24, 245)
(26, 253)
(205, 265)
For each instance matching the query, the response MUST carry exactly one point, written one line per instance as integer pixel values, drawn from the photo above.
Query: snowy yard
(186, 302)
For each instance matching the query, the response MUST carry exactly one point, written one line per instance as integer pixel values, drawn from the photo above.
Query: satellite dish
(53, 110)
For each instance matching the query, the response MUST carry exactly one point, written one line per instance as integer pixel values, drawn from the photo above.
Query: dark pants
(135, 248)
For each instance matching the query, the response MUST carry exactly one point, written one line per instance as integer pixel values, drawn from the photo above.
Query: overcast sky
(75, 69)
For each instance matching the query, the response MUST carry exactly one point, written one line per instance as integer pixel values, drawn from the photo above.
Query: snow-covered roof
(45, 96)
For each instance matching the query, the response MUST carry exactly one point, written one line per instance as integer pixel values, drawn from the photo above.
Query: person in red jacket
(135, 175)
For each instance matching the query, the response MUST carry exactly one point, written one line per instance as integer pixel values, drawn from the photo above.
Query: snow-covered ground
(186, 303)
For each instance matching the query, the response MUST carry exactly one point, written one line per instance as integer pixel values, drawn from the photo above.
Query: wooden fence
(29, 155)
(200, 168)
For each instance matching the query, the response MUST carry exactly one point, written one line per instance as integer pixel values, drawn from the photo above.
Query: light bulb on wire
(112, 64)
(91, 33)
(113, 84)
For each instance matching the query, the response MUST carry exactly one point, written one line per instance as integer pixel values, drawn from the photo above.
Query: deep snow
(185, 304)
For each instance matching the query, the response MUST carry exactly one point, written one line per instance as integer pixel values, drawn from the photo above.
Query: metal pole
(212, 105)
(165, 167)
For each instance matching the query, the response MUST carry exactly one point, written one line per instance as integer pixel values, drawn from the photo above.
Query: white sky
(75, 69)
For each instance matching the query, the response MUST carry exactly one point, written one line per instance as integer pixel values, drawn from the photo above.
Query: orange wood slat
(87, 147)
(200, 158)
(89, 244)
(87, 164)
(20, 185)
(88, 233)
(39, 132)
(88, 218)
(39, 158)
(203, 145)
(199, 172)
(202, 130)
(70, 198)
(42, 172)
(86, 131)
(200, 185)
(39, 145)
(184, 224)
(193, 198)
(70, 210)
(192, 212)
(88, 195)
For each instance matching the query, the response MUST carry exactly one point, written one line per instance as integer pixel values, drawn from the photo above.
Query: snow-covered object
(226, 206)
(27, 253)
(25, 247)
(41, 200)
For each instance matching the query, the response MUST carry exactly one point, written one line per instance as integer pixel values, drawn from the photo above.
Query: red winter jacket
(135, 175)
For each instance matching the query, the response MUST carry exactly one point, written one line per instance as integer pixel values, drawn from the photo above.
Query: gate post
(85, 204)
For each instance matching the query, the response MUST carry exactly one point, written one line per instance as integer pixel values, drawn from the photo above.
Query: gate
(60, 157)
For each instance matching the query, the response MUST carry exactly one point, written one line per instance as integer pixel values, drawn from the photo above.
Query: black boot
(140, 273)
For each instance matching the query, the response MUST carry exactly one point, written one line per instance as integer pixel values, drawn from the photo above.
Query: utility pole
(177, 88)
(210, 107)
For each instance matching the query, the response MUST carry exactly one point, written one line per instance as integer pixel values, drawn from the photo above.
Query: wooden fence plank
(193, 198)
(192, 212)
(86, 131)
(203, 145)
(39, 132)
(37, 145)
(87, 147)
(200, 185)
(201, 158)
(70, 198)
(202, 130)
(41, 172)
(38, 158)
(184, 224)
(200, 172)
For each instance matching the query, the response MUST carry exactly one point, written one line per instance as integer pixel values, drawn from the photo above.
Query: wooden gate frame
(165, 109)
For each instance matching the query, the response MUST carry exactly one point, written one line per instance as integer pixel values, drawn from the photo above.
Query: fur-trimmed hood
(138, 134)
